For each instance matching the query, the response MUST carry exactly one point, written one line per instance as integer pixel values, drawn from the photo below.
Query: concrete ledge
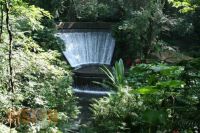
(84, 25)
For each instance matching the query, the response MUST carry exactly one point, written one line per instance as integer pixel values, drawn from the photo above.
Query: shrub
(154, 98)
(41, 79)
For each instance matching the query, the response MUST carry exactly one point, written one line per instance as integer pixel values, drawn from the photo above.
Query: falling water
(88, 47)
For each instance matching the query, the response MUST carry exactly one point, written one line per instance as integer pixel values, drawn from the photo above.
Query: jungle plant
(168, 87)
(116, 76)
(142, 28)
(40, 78)
(153, 99)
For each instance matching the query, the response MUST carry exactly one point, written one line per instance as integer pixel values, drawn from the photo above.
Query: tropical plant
(155, 98)
(142, 28)
(116, 76)
(40, 78)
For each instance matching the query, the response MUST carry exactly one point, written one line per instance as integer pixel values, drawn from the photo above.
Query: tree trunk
(11, 82)
(1, 23)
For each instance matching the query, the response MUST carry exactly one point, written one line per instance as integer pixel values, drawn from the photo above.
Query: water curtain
(88, 47)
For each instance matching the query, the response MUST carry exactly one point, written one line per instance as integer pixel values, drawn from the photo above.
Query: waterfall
(88, 47)
(85, 47)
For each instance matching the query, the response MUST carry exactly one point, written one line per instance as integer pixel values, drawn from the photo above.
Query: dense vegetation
(159, 92)
(38, 78)
(140, 27)
(150, 98)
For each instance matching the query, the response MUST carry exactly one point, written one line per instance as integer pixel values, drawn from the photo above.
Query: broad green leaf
(171, 84)
(146, 90)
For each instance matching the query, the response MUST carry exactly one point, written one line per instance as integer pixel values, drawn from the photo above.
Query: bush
(41, 79)
(154, 98)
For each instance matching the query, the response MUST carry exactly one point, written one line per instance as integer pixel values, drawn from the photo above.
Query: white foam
(96, 92)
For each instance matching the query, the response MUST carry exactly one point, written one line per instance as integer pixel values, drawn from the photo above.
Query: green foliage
(96, 10)
(145, 74)
(91, 11)
(117, 113)
(152, 119)
(196, 22)
(117, 76)
(142, 29)
(141, 24)
(41, 79)
(60, 9)
(29, 17)
(182, 28)
(185, 6)
(46, 39)
(155, 98)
